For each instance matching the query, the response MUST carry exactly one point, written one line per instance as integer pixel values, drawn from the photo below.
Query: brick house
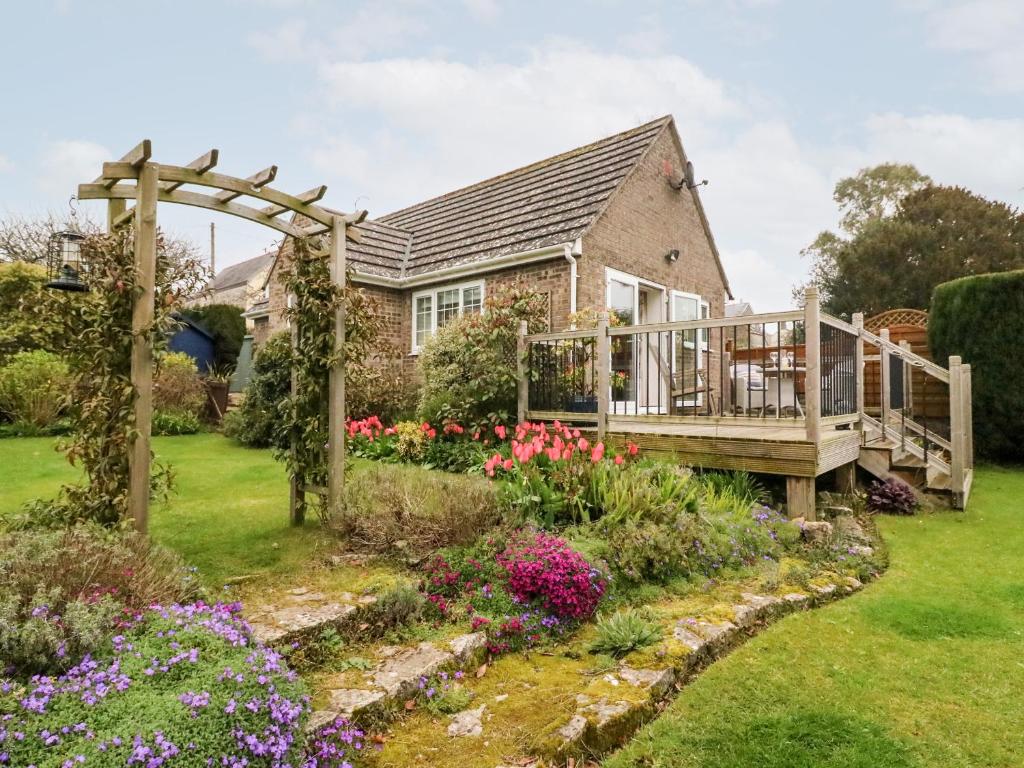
(241, 285)
(602, 226)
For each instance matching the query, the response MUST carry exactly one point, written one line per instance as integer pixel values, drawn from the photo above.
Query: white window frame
(432, 293)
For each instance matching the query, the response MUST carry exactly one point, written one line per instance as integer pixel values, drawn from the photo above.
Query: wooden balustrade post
(523, 374)
(604, 374)
(812, 365)
(883, 372)
(968, 412)
(858, 369)
(296, 483)
(956, 430)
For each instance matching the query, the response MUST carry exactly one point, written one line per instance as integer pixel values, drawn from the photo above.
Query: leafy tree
(933, 235)
(870, 195)
(226, 324)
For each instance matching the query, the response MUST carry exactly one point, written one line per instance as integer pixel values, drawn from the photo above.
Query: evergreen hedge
(981, 318)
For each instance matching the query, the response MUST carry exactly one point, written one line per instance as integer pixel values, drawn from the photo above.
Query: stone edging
(602, 724)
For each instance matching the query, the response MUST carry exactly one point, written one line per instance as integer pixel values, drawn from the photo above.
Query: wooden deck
(768, 448)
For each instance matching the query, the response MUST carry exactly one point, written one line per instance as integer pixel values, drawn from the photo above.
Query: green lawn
(923, 668)
(229, 516)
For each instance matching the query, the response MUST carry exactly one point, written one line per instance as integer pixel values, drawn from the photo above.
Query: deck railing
(798, 369)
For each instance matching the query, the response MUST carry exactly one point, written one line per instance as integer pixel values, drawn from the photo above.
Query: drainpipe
(571, 251)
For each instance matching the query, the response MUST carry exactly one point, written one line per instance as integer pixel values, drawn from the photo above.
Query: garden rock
(468, 648)
(715, 634)
(816, 532)
(603, 712)
(400, 674)
(350, 702)
(684, 635)
(301, 612)
(656, 681)
(467, 723)
(796, 598)
(573, 731)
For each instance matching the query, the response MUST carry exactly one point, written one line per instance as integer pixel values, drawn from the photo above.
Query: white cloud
(985, 155)
(991, 30)
(68, 163)
(371, 28)
(483, 10)
(441, 123)
(5, 164)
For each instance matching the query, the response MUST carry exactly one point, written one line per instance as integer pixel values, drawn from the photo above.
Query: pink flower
(584, 444)
(598, 453)
(619, 459)
(507, 464)
(553, 453)
(632, 448)
(500, 431)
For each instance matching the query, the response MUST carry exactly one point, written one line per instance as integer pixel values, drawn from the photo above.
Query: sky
(389, 103)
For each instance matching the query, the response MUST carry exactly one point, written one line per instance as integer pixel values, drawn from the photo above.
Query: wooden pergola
(136, 177)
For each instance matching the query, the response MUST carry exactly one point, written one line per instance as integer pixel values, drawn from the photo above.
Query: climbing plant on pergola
(136, 177)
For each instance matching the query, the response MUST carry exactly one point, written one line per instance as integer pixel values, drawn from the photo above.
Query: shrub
(981, 318)
(544, 570)
(177, 387)
(175, 423)
(624, 632)
(23, 326)
(411, 440)
(654, 551)
(408, 510)
(738, 485)
(891, 496)
(185, 685)
(33, 386)
(63, 592)
(468, 368)
(261, 421)
(227, 326)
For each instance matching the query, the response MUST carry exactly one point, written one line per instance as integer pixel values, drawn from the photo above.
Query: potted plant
(218, 379)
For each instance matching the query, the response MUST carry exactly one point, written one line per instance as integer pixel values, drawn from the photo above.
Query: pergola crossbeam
(309, 196)
(135, 158)
(256, 182)
(201, 164)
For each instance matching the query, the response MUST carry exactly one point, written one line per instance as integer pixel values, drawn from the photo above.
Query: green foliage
(25, 323)
(411, 441)
(175, 423)
(227, 326)
(649, 551)
(624, 632)
(60, 591)
(654, 492)
(368, 377)
(468, 368)
(176, 385)
(451, 699)
(981, 318)
(261, 421)
(98, 327)
(743, 487)
(398, 509)
(33, 386)
(164, 684)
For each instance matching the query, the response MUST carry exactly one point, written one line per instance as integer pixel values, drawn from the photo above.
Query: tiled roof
(242, 272)
(547, 203)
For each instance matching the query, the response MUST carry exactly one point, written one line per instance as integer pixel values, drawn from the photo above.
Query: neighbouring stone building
(607, 225)
(242, 285)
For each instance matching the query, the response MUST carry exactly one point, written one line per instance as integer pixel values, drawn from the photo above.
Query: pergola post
(336, 397)
(142, 346)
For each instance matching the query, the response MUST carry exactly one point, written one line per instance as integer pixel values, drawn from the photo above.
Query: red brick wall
(644, 221)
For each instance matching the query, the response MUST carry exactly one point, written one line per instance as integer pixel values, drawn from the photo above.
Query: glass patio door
(623, 303)
(689, 349)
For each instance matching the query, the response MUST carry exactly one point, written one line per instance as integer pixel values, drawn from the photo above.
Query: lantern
(64, 266)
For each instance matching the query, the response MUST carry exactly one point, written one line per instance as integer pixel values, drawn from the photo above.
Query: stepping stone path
(301, 611)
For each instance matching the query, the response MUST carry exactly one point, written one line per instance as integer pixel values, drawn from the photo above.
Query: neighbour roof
(738, 309)
(547, 203)
(242, 272)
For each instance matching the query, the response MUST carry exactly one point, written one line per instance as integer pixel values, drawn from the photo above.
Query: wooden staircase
(938, 467)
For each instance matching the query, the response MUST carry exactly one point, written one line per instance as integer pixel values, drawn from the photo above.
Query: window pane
(621, 301)
(422, 320)
(447, 306)
(471, 300)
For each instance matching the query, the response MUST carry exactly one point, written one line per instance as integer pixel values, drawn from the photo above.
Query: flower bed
(184, 685)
